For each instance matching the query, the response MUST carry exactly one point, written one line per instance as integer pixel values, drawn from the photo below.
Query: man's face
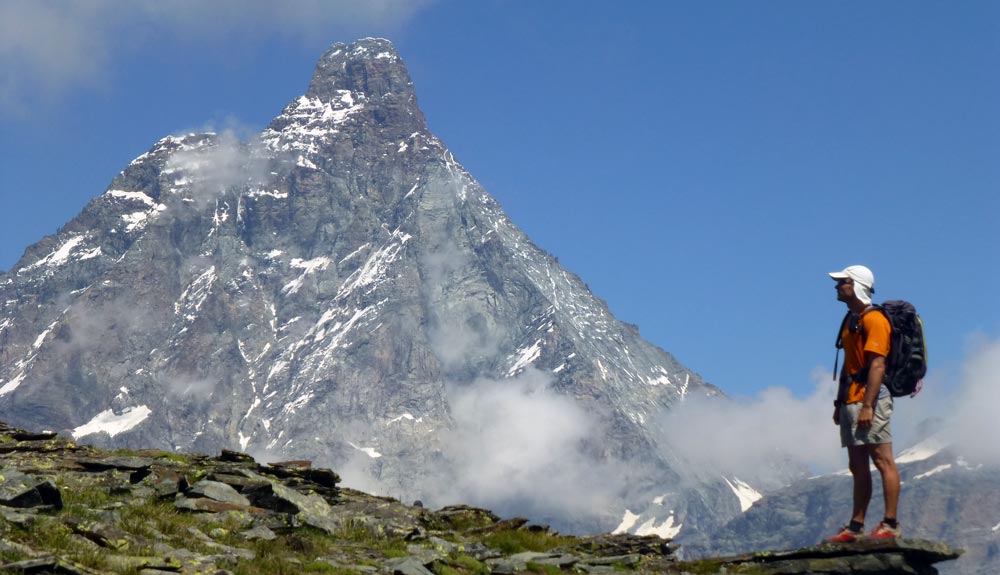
(845, 289)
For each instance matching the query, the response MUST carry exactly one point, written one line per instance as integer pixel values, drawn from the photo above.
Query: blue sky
(701, 165)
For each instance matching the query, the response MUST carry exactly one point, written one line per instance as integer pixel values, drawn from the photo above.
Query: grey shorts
(851, 435)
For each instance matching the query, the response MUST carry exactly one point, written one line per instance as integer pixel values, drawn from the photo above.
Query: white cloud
(519, 447)
(50, 47)
(213, 169)
(972, 422)
(746, 437)
(742, 437)
(47, 48)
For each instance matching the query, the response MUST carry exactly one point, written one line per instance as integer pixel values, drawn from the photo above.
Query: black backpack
(906, 364)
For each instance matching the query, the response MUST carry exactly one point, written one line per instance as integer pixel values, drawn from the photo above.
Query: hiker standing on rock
(863, 405)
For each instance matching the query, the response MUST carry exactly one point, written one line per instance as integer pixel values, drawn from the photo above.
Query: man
(863, 405)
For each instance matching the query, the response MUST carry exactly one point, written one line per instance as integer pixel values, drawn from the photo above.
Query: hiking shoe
(846, 535)
(883, 531)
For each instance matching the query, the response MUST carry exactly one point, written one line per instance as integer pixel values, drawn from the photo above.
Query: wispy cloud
(745, 437)
(971, 423)
(46, 48)
(223, 163)
(517, 446)
(50, 47)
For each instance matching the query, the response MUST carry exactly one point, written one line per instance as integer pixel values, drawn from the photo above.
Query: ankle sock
(891, 523)
(855, 526)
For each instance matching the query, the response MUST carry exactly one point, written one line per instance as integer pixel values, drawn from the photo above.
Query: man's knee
(881, 456)
(857, 460)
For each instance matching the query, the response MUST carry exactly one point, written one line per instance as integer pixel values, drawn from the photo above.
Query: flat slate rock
(407, 566)
(30, 436)
(217, 491)
(27, 491)
(46, 566)
(121, 463)
(869, 556)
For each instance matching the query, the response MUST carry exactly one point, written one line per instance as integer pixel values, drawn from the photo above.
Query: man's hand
(866, 416)
(836, 415)
(876, 369)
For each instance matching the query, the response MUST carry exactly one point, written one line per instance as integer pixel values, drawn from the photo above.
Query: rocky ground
(72, 509)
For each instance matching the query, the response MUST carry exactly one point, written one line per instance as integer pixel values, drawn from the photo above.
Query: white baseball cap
(864, 281)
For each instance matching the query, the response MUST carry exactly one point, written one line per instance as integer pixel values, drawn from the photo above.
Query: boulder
(26, 491)
(217, 491)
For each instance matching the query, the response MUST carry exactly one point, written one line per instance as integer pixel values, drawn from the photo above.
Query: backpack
(906, 364)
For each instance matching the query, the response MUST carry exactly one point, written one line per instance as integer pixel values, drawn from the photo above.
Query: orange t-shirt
(872, 335)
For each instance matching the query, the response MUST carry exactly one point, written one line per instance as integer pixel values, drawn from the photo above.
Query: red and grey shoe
(883, 531)
(846, 535)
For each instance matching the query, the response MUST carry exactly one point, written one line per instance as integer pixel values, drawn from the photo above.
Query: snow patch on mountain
(308, 267)
(921, 451)
(666, 529)
(406, 416)
(628, 522)
(525, 357)
(194, 296)
(41, 337)
(746, 494)
(376, 266)
(12, 384)
(136, 221)
(660, 376)
(113, 423)
(369, 451)
(934, 471)
(57, 257)
(140, 197)
(308, 122)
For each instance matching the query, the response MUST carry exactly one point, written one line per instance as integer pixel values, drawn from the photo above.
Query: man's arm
(876, 370)
(842, 385)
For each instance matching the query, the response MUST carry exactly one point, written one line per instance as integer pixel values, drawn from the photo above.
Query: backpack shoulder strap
(871, 308)
(839, 344)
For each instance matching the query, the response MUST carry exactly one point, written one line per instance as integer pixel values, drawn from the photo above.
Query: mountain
(944, 496)
(341, 289)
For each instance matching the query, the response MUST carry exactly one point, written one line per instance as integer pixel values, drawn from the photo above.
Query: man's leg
(881, 455)
(857, 457)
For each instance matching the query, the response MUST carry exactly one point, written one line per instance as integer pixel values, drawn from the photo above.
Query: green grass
(56, 538)
(175, 457)
(318, 567)
(83, 497)
(468, 564)
(372, 537)
(713, 566)
(520, 540)
(543, 569)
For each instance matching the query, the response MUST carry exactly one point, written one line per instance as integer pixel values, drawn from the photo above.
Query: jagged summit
(341, 289)
(371, 67)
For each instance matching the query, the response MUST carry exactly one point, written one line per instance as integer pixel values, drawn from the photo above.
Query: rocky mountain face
(340, 289)
(77, 510)
(944, 497)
